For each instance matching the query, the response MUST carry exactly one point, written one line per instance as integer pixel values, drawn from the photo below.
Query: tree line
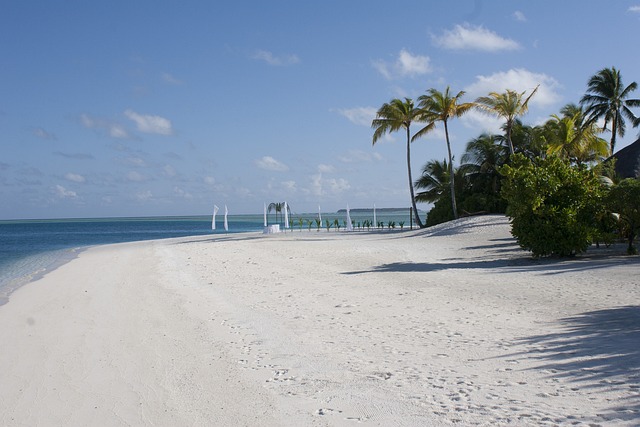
(573, 137)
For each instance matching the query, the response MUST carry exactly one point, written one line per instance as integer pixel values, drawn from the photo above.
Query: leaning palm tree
(391, 117)
(606, 98)
(438, 106)
(508, 105)
(275, 206)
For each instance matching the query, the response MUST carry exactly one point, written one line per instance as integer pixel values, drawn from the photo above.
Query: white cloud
(168, 78)
(519, 80)
(73, 177)
(209, 180)
(114, 130)
(41, 133)
(63, 193)
(289, 185)
(407, 65)
(143, 196)
(481, 122)
(271, 59)
(150, 124)
(271, 164)
(169, 171)
(338, 185)
(322, 187)
(469, 37)
(135, 176)
(359, 115)
(182, 193)
(326, 168)
(634, 9)
(353, 156)
(519, 16)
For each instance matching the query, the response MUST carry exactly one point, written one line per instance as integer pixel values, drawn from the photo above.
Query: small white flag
(375, 222)
(265, 214)
(213, 220)
(286, 215)
(226, 224)
(349, 224)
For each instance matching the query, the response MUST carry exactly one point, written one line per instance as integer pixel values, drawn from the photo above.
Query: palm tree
(483, 157)
(606, 98)
(391, 117)
(434, 181)
(435, 107)
(573, 138)
(508, 105)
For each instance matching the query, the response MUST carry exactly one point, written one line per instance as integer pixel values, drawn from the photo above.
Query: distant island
(378, 210)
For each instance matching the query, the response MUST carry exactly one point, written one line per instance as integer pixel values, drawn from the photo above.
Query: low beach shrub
(553, 206)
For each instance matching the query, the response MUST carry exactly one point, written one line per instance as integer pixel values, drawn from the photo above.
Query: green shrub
(553, 206)
(624, 199)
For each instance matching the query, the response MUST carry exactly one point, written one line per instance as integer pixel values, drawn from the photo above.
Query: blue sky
(133, 108)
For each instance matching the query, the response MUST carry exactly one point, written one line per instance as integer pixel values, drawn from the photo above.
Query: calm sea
(29, 248)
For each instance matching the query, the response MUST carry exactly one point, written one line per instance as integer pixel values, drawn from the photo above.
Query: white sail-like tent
(213, 220)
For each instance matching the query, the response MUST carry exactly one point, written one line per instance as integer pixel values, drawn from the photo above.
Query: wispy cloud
(63, 193)
(359, 115)
(271, 59)
(520, 80)
(407, 65)
(271, 164)
(41, 133)
(74, 177)
(135, 176)
(519, 16)
(112, 129)
(353, 156)
(634, 9)
(470, 37)
(150, 124)
(170, 79)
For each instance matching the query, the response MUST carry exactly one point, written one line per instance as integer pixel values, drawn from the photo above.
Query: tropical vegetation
(551, 179)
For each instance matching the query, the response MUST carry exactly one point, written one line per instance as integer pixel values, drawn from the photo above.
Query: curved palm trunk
(413, 197)
(451, 175)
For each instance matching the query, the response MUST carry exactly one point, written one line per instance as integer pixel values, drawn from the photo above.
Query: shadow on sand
(595, 350)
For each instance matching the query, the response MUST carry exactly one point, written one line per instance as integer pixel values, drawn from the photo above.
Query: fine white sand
(450, 325)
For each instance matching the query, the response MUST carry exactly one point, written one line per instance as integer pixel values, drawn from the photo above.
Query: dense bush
(624, 199)
(553, 206)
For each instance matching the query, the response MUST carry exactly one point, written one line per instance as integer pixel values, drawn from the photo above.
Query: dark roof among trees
(628, 161)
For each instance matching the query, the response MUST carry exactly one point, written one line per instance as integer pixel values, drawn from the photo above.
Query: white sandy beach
(444, 326)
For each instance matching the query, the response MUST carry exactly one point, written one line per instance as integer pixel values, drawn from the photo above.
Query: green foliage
(328, 224)
(624, 199)
(553, 207)
(336, 223)
(318, 224)
(401, 224)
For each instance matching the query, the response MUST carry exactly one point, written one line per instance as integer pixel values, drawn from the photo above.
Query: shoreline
(446, 325)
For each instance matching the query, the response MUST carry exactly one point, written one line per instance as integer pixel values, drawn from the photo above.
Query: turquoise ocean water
(30, 248)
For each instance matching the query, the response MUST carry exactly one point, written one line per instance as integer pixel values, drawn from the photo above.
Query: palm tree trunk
(451, 175)
(614, 130)
(511, 150)
(413, 197)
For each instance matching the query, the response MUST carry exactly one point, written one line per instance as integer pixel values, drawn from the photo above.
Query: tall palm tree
(438, 106)
(508, 105)
(606, 98)
(391, 117)
(278, 207)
